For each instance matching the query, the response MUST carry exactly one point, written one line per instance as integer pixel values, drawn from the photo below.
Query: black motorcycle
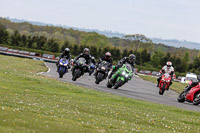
(102, 71)
(80, 67)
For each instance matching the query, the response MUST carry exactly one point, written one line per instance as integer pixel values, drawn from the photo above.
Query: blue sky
(168, 19)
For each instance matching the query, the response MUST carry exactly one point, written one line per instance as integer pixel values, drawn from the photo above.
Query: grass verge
(33, 103)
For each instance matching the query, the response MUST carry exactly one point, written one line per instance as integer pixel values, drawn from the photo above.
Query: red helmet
(169, 64)
(108, 55)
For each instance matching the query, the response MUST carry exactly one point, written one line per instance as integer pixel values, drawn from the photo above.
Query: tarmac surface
(137, 88)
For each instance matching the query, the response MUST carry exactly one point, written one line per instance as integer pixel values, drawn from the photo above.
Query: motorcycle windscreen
(82, 60)
(128, 67)
(104, 64)
(166, 75)
(64, 60)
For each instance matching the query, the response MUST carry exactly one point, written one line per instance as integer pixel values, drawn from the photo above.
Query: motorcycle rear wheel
(108, 84)
(196, 100)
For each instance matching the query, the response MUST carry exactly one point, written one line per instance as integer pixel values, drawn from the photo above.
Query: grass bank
(33, 103)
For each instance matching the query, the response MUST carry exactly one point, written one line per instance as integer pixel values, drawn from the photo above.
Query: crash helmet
(169, 64)
(132, 58)
(86, 51)
(108, 55)
(67, 50)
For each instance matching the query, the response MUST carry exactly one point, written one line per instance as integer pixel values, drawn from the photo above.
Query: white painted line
(47, 67)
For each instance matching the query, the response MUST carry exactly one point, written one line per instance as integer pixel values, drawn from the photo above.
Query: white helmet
(169, 64)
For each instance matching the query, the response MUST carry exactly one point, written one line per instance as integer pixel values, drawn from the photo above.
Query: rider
(86, 55)
(64, 54)
(106, 58)
(130, 60)
(194, 83)
(166, 69)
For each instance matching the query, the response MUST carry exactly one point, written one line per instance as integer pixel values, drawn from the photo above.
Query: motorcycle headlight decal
(61, 63)
(126, 75)
(65, 64)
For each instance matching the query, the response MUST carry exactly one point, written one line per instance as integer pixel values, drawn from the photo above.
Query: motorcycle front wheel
(61, 72)
(181, 97)
(99, 78)
(76, 74)
(118, 84)
(162, 90)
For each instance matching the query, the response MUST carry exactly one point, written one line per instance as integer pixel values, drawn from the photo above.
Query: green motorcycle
(121, 76)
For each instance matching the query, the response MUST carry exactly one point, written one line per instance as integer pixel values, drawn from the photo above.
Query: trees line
(153, 61)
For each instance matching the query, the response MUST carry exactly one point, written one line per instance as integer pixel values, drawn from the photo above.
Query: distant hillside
(105, 32)
(177, 43)
(110, 34)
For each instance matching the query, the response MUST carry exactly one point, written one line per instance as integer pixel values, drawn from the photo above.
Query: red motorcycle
(192, 96)
(164, 83)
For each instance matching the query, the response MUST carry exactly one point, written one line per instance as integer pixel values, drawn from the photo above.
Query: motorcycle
(80, 67)
(192, 96)
(102, 71)
(63, 67)
(122, 76)
(91, 70)
(164, 83)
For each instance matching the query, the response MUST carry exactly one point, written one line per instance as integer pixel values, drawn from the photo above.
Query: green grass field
(176, 86)
(30, 102)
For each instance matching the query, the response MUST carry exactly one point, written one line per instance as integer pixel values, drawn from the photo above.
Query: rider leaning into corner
(86, 55)
(166, 69)
(130, 60)
(194, 83)
(106, 58)
(64, 54)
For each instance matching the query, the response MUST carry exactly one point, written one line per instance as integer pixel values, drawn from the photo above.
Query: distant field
(33, 103)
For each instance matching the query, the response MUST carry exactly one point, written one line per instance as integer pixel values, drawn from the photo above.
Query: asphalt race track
(137, 88)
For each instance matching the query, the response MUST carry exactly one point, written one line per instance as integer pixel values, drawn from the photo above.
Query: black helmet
(86, 51)
(67, 50)
(132, 58)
